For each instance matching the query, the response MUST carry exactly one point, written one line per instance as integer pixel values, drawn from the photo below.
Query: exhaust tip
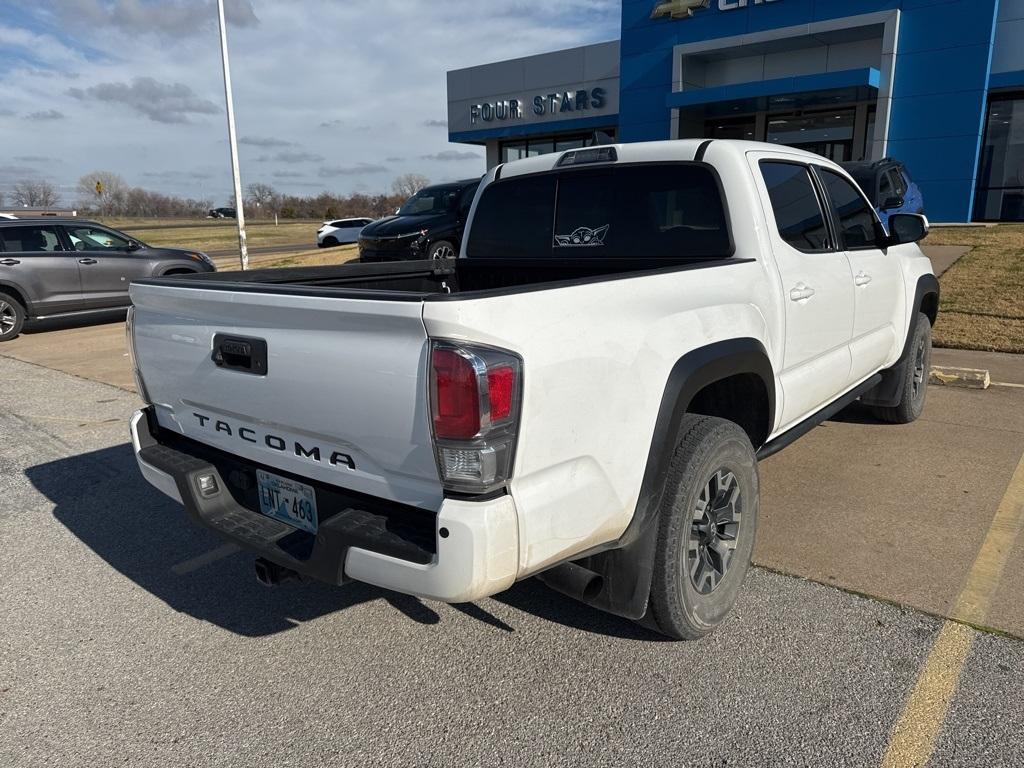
(271, 574)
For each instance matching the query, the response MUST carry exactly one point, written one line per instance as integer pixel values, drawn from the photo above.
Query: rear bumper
(466, 551)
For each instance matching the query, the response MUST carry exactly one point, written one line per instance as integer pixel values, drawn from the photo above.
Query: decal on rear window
(583, 237)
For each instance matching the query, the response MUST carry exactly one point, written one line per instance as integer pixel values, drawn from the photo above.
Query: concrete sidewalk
(944, 256)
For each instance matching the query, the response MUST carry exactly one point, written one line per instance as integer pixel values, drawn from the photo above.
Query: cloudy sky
(338, 95)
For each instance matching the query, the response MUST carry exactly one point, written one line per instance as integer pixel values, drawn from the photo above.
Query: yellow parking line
(913, 738)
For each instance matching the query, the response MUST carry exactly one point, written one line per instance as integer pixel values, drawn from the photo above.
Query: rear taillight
(475, 394)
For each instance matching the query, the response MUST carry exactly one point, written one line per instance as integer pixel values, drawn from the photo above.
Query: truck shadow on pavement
(103, 500)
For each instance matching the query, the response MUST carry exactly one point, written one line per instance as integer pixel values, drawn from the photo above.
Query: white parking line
(205, 559)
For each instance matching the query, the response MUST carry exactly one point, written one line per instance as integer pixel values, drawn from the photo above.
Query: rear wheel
(707, 528)
(12, 317)
(914, 372)
(442, 249)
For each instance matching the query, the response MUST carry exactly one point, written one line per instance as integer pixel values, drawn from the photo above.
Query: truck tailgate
(343, 398)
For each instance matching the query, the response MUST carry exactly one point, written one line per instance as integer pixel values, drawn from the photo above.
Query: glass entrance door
(829, 134)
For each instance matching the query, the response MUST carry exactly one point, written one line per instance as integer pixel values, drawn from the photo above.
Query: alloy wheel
(917, 385)
(444, 252)
(8, 318)
(714, 531)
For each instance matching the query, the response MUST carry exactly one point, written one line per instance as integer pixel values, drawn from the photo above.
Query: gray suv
(50, 267)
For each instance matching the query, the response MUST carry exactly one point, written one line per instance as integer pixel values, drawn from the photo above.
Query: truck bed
(432, 280)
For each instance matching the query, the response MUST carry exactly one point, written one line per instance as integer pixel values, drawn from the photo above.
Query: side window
(798, 213)
(95, 239)
(29, 239)
(513, 220)
(855, 217)
(899, 184)
(885, 188)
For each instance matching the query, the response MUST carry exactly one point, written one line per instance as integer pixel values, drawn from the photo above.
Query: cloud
(162, 102)
(33, 159)
(6, 112)
(435, 123)
(291, 157)
(453, 155)
(176, 18)
(287, 174)
(179, 175)
(351, 170)
(395, 159)
(46, 114)
(261, 141)
(332, 123)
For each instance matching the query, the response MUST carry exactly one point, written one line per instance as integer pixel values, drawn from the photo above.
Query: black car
(222, 213)
(60, 266)
(428, 226)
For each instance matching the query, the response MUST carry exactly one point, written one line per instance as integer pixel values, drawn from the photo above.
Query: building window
(829, 134)
(1001, 170)
(742, 128)
(869, 132)
(545, 145)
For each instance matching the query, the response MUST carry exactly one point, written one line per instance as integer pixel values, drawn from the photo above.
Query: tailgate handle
(240, 353)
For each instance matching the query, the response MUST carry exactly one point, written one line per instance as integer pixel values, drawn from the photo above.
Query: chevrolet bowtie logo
(679, 9)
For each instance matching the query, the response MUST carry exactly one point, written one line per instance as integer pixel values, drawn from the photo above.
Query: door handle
(801, 292)
(10, 262)
(87, 261)
(862, 279)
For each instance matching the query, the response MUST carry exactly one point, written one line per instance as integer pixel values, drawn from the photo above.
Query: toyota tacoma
(582, 396)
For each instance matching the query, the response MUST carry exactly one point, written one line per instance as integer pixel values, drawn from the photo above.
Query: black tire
(442, 249)
(699, 566)
(914, 372)
(329, 242)
(12, 317)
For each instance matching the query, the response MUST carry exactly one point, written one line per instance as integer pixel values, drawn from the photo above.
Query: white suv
(340, 231)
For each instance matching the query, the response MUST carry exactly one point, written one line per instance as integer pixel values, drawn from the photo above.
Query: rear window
(644, 212)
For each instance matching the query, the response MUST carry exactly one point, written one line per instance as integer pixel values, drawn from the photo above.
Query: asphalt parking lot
(133, 637)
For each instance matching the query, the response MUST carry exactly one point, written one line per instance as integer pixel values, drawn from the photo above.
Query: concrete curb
(969, 378)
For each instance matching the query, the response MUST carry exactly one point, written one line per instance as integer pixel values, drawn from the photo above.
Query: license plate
(286, 500)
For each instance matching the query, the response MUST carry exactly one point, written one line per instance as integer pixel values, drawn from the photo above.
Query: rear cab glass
(645, 211)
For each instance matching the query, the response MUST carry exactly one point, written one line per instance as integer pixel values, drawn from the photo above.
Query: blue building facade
(938, 84)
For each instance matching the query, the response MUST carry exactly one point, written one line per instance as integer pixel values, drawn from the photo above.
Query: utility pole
(243, 249)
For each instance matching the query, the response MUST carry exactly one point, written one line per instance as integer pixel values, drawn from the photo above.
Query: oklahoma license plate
(286, 500)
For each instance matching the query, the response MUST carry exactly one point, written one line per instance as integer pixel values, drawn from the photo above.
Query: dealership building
(938, 84)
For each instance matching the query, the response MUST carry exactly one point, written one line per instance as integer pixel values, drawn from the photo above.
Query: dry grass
(983, 293)
(205, 237)
(320, 257)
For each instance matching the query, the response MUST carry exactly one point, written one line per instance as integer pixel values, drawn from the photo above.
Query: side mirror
(907, 228)
(891, 203)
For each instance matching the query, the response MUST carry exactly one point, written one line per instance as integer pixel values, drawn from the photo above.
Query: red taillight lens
(456, 401)
(501, 386)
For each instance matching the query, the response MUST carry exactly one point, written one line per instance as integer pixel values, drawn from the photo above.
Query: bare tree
(408, 184)
(263, 197)
(103, 190)
(34, 193)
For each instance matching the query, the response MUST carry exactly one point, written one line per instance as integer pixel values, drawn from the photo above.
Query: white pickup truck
(582, 396)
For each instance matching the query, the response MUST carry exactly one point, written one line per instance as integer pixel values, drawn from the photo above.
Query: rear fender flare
(627, 565)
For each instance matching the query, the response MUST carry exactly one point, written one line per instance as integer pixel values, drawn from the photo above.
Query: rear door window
(644, 211)
(798, 214)
(30, 239)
